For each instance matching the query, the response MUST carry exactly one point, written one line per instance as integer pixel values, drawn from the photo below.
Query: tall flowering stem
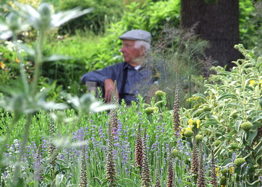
(194, 160)
(145, 166)
(110, 164)
(201, 174)
(113, 121)
(170, 180)
(113, 113)
(139, 149)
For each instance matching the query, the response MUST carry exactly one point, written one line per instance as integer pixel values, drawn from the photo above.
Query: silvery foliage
(42, 19)
(88, 103)
(20, 98)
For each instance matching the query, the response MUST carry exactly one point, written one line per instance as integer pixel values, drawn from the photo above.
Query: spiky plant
(194, 160)
(139, 149)
(83, 175)
(170, 180)
(113, 121)
(110, 167)
(176, 113)
(113, 112)
(213, 170)
(145, 166)
(110, 164)
(201, 174)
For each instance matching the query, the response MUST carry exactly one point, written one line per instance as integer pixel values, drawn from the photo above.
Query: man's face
(130, 52)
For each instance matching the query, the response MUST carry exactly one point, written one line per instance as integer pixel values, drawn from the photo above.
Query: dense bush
(231, 118)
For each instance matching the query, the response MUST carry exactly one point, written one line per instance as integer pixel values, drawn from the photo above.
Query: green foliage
(250, 23)
(68, 72)
(104, 12)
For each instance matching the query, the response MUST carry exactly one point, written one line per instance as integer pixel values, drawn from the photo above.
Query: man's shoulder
(117, 65)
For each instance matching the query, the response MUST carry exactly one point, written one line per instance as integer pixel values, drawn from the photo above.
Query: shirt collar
(128, 66)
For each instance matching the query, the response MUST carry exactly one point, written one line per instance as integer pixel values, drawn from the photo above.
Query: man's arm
(98, 76)
(105, 78)
(109, 87)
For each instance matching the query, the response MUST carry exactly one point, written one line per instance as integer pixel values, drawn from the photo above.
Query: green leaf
(227, 96)
(251, 135)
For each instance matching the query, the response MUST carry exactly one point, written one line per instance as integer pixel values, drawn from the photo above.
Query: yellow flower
(17, 60)
(252, 82)
(2, 65)
(198, 123)
(222, 185)
(188, 132)
(231, 170)
(190, 122)
(188, 129)
(217, 170)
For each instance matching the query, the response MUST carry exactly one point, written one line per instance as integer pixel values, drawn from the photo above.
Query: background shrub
(105, 11)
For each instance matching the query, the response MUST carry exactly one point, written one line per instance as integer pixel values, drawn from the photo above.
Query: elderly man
(133, 76)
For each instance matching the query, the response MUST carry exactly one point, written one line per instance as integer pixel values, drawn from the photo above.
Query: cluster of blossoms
(189, 130)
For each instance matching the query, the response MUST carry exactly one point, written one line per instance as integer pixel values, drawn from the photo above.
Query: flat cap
(136, 35)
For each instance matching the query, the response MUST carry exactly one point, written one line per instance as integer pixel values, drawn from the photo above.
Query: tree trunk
(217, 22)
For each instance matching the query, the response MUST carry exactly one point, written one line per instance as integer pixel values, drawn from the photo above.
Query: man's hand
(109, 89)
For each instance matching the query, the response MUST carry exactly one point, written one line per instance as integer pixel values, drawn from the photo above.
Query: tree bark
(216, 22)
